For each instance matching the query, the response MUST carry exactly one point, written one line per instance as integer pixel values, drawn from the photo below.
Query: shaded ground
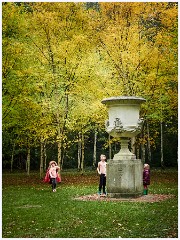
(89, 179)
(75, 178)
(21, 179)
(146, 198)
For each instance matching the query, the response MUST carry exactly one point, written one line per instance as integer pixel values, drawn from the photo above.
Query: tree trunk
(138, 153)
(41, 160)
(110, 148)
(79, 151)
(59, 140)
(82, 160)
(95, 149)
(45, 156)
(115, 148)
(162, 156)
(62, 160)
(12, 157)
(142, 147)
(59, 153)
(148, 144)
(62, 130)
(143, 153)
(28, 161)
(20, 161)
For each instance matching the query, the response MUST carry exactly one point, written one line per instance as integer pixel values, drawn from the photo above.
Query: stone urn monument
(124, 171)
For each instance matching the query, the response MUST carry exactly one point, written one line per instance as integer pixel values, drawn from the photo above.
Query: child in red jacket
(52, 175)
(146, 178)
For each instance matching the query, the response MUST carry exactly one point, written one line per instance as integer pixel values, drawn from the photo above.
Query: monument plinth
(124, 171)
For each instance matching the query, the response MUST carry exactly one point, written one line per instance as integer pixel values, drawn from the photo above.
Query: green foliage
(59, 60)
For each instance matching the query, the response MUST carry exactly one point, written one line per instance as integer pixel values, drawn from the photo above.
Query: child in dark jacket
(146, 178)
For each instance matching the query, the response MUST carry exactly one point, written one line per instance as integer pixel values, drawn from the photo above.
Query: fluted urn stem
(124, 153)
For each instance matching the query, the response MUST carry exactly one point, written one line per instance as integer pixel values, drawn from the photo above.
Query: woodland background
(59, 60)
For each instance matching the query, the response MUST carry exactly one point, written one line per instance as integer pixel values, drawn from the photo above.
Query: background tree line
(59, 60)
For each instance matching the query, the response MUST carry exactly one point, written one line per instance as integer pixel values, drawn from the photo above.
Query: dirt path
(145, 198)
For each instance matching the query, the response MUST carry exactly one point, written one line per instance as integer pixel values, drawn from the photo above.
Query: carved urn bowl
(124, 118)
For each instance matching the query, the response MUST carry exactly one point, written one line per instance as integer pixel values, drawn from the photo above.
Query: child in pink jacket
(52, 175)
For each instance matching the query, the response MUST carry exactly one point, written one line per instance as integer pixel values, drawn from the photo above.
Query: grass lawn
(31, 210)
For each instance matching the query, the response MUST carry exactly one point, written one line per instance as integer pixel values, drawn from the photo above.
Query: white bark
(95, 149)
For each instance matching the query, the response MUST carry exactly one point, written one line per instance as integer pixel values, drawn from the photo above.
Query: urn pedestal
(124, 171)
(124, 178)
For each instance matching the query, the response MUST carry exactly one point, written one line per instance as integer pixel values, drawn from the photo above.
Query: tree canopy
(59, 60)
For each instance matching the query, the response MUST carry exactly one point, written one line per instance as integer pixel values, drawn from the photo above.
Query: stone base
(124, 178)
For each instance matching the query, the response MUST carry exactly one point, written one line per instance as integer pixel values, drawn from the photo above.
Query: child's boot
(145, 192)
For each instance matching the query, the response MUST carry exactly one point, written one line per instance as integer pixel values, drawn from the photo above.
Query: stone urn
(124, 171)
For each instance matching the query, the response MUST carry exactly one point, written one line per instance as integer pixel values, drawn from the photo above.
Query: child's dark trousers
(54, 183)
(102, 183)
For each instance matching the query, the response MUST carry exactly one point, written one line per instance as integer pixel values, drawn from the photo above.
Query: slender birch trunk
(138, 153)
(143, 153)
(110, 148)
(162, 155)
(41, 160)
(142, 147)
(95, 149)
(45, 156)
(62, 160)
(28, 161)
(62, 131)
(59, 139)
(79, 151)
(59, 153)
(82, 160)
(12, 156)
(148, 144)
(115, 147)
